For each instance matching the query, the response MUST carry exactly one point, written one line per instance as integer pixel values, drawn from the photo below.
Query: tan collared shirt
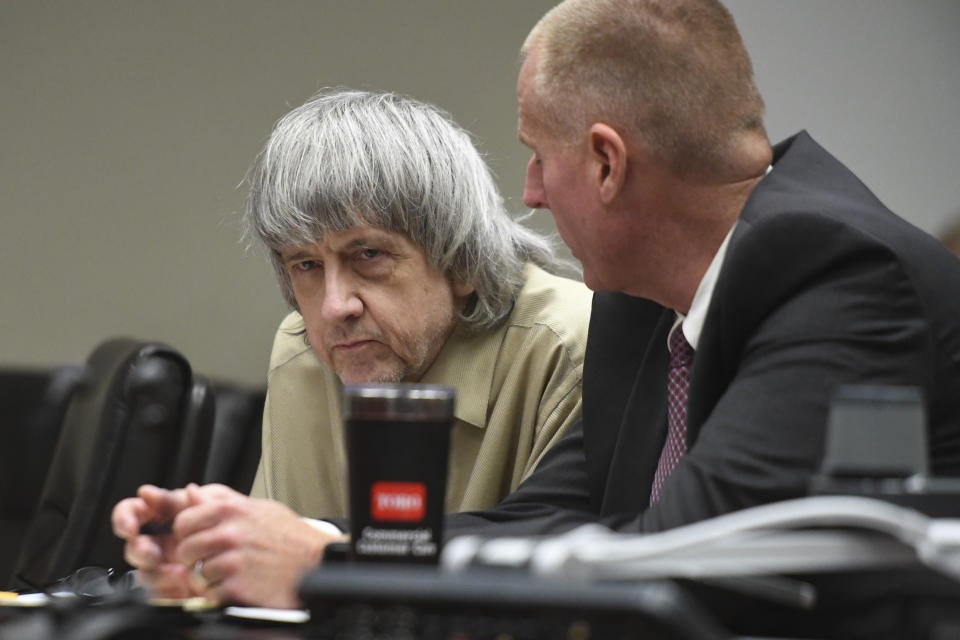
(518, 390)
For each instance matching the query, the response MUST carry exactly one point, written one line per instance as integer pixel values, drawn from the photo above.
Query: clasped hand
(223, 545)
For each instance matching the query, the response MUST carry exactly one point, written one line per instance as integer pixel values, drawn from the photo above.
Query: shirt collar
(466, 362)
(692, 322)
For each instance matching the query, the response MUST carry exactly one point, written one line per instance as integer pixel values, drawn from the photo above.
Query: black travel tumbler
(398, 441)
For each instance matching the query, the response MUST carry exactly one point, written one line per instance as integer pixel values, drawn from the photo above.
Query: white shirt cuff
(324, 526)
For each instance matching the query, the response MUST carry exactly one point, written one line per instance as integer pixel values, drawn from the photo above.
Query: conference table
(815, 567)
(406, 602)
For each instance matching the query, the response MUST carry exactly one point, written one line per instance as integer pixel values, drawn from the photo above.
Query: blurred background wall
(126, 128)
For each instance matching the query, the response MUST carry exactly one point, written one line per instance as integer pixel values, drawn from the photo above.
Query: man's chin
(593, 282)
(360, 375)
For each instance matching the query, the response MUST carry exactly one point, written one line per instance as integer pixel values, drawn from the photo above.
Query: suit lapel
(642, 423)
(711, 374)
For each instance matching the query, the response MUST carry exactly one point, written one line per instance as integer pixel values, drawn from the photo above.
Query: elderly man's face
(374, 308)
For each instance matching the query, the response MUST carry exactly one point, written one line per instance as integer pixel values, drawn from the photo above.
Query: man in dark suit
(783, 272)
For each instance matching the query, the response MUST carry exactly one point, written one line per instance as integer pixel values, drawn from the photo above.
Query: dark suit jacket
(821, 286)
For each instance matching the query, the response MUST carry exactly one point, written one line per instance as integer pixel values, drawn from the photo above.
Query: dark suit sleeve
(553, 498)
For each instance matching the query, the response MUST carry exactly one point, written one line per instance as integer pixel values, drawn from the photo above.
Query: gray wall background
(126, 127)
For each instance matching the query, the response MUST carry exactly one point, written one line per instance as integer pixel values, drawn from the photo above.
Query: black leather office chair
(235, 447)
(139, 416)
(29, 425)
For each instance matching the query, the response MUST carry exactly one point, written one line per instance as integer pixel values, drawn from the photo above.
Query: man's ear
(609, 153)
(463, 299)
(461, 289)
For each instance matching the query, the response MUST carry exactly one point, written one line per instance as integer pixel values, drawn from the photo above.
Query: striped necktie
(678, 384)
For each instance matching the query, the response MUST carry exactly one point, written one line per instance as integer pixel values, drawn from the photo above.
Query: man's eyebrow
(378, 239)
(296, 255)
(356, 243)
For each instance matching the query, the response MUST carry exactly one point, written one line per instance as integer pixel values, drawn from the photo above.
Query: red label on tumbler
(398, 501)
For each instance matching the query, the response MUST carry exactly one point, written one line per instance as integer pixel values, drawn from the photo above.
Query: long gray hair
(350, 158)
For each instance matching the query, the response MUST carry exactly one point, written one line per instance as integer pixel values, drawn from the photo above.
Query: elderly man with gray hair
(393, 246)
(391, 241)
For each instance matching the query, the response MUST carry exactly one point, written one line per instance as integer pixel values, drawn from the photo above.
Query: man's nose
(341, 298)
(533, 193)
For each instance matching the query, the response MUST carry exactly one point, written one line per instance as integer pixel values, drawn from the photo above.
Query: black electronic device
(876, 446)
(416, 601)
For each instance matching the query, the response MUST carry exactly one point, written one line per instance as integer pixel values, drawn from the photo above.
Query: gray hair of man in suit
(352, 158)
(676, 72)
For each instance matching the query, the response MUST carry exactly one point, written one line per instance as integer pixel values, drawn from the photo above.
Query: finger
(147, 491)
(206, 507)
(143, 552)
(172, 580)
(166, 503)
(210, 576)
(198, 494)
(201, 517)
(198, 580)
(204, 543)
(128, 515)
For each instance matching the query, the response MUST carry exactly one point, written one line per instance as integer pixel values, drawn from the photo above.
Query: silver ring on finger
(198, 573)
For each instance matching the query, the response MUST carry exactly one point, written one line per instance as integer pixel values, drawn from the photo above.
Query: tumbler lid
(398, 401)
